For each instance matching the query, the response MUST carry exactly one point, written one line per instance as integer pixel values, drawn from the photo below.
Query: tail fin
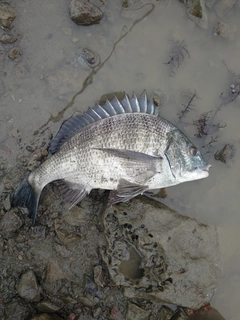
(26, 196)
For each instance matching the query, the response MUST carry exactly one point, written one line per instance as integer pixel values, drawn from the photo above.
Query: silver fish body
(121, 146)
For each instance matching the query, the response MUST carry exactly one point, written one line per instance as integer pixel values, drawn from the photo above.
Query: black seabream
(120, 146)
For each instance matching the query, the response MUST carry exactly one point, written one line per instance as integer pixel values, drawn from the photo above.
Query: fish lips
(203, 170)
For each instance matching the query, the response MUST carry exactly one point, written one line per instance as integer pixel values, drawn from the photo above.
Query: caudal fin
(26, 196)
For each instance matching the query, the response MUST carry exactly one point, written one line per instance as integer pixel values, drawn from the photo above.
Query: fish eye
(193, 151)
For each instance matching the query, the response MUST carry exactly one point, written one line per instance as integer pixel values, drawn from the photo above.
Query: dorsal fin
(110, 108)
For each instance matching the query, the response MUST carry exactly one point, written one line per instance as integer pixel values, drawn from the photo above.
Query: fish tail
(26, 196)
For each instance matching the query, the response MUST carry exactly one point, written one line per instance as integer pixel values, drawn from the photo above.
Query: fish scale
(121, 146)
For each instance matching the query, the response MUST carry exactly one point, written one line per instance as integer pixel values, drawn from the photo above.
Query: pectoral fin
(70, 192)
(125, 191)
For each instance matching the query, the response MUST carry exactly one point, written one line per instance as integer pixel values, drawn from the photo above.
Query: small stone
(225, 30)
(47, 306)
(165, 313)
(7, 203)
(98, 275)
(197, 11)
(10, 222)
(28, 287)
(7, 39)
(54, 272)
(83, 12)
(7, 15)
(136, 313)
(14, 53)
(156, 101)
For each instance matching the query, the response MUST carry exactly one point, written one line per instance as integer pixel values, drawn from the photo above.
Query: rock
(136, 313)
(225, 30)
(48, 306)
(10, 222)
(7, 39)
(223, 7)
(65, 232)
(226, 154)
(28, 287)
(88, 56)
(7, 15)
(14, 53)
(165, 313)
(54, 272)
(197, 12)
(98, 273)
(7, 203)
(158, 254)
(83, 12)
(67, 80)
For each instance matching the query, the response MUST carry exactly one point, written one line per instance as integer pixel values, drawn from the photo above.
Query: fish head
(185, 160)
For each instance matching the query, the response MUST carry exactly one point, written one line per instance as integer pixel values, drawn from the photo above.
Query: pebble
(225, 30)
(28, 287)
(14, 53)
(7, 39)
(83, 12)
(7, 15)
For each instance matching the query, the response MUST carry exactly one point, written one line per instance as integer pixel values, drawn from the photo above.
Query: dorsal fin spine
(110, 108)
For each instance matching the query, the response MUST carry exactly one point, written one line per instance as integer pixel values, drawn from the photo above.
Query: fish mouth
(206, 167)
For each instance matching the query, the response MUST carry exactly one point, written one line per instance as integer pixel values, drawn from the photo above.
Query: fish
(122, 146)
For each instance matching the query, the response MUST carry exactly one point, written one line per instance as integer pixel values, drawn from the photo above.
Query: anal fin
(71, 193)
(125, 191)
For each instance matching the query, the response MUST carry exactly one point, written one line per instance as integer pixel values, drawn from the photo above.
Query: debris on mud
(83, 12)
(88, 56)
(226, 154)
(7, 15)
(177, 55)
(147, 246)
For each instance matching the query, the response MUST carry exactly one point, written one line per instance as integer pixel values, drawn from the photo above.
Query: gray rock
(83, 12)
(48, 306)
(197, 12)
(7, 39)
(28, 287)
(7, 203)
(98, 273)
(223, 7)
(158, 254)
(54, 272)
(7, 15)
(10, 222)
(76, 216)
(136, 313)
(225, 30)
